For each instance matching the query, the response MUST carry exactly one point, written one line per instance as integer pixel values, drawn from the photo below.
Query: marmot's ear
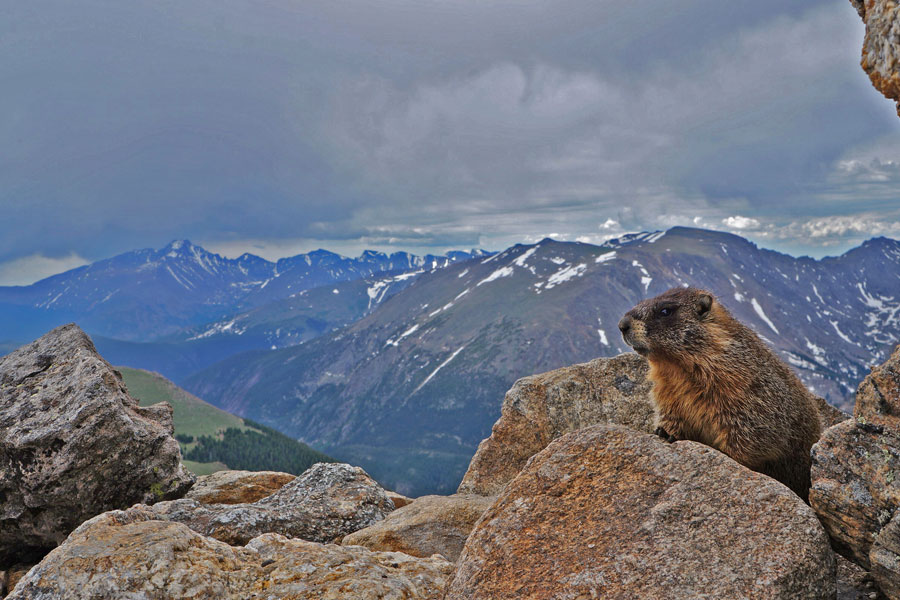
(704, 303)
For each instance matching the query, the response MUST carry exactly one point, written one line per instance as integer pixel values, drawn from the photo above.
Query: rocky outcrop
(856, 484)
(878, 396)
(237, 487)
(856, 478)
(326, 502)
(129, 555)
(430, 525)
(828, 415)
(74, 444)
(541, 408)
(881, 46)
(608, 512)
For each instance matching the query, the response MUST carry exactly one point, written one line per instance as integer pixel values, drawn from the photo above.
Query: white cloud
(28, 269)
(739, 222)
(610, 224)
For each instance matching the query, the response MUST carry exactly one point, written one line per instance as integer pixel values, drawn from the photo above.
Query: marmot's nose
(625, 324)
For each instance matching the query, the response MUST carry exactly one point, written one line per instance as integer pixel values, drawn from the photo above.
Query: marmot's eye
(665, 312)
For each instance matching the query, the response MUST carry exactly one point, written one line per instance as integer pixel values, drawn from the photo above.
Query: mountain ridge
(145, 295)
(425, 372)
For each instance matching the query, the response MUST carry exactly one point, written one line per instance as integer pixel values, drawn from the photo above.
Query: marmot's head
(670, 325)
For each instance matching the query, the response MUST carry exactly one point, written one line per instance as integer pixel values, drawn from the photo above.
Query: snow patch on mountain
(501, 272)
(440, 366)
(762, 315)
(564, 275)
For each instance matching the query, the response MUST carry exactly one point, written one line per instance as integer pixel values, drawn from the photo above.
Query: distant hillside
(216, 439)
(410, 390)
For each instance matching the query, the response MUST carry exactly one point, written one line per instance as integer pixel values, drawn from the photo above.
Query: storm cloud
(283, 126)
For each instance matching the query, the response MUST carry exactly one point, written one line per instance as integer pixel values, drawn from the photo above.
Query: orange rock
(237, 487)
(541, 408)
(429, 525)
(608, 512)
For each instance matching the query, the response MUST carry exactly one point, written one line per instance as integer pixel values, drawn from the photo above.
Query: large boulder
(608, 512)
(856, 484)
(74, 444)
(856, 478)
(237, 487)
(881, 46)
(130, 555)
(541, 408)
(429, 525)
(326, 502)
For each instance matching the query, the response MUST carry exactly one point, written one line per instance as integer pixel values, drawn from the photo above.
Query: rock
(237, 487)
(878, 396)
(854, 582)
(885, 558)
(74, 444)
(541, 408)
(326, 502)
(11, 577)
(608, 512)
(881, 46)
(399, 500)
(828, 415)
(127, 554)
(430, 525)
(856, 484)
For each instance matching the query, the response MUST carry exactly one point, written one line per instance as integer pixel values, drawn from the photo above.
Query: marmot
(717, 383)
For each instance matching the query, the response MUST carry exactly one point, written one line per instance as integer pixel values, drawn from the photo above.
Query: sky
(281, 126)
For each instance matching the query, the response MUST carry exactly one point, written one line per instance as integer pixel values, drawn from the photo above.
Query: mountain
(409, 390)
(290, 321)
(149, 295)
(205, 431)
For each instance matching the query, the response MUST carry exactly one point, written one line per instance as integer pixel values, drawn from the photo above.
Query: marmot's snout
(632, 332)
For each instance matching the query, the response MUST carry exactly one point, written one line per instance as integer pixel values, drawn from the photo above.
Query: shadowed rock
(74, 444)
(608, 512)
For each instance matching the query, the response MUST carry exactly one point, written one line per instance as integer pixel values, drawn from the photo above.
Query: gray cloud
(285, 125)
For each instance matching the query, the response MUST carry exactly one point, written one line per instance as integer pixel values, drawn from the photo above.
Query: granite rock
(128, 554)
(608, 512)
(881, 46)
(326, 502)
(856, 484)
(429, 525)
(74, 444)
(237, 487)
(540, 408)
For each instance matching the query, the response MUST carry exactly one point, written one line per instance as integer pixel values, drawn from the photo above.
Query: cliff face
(881, 46)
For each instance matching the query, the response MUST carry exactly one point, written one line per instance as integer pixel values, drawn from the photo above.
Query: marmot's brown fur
(717, 383)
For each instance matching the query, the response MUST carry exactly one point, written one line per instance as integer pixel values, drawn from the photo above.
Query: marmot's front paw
(664, 435)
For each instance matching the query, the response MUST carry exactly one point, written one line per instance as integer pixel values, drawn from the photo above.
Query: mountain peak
(178, 245)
